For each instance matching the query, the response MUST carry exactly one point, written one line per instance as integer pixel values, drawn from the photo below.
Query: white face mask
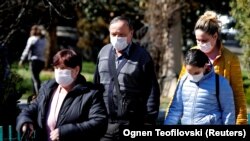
(63, 77)
(196, 78)
(205, 47)
(119, 43)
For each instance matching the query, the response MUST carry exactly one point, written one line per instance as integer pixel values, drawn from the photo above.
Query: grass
(87, 71)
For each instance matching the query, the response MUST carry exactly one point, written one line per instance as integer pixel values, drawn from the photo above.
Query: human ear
(76, 71)
(215, 36)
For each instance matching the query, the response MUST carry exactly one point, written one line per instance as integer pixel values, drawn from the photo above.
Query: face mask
(205, 47)
(63, 77)
(119, 43)
(196, 78)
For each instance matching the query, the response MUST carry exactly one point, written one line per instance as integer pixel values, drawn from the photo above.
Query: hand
(54, 135)
(20, 64)
(26, 127)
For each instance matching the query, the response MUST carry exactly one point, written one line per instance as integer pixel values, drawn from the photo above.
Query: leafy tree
(241, 12)
(17, 16)
(94, 18)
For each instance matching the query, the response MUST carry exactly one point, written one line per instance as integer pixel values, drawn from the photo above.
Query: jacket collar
(209, 73)
(221, 49)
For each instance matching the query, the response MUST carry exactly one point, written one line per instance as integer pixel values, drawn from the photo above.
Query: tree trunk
(164, 41)
(172, 56)
(52, 46)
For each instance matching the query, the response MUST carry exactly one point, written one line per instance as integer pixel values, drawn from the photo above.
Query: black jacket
(82, 115)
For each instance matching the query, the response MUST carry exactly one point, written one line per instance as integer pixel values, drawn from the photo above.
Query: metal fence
(8, 133)
(248, 118)
(12, 136)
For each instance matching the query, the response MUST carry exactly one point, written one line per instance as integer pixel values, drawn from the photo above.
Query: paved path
(23, 101)
(236, 50)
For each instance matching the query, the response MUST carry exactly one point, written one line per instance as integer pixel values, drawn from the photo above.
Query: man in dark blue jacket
(127, 72)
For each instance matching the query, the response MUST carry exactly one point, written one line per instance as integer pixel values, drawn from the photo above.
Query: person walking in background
(224, 61)
(35, 52)
(126, 70)
(201, 98)
(67, 107)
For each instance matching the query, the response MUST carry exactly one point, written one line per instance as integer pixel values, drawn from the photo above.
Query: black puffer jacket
(82, 115)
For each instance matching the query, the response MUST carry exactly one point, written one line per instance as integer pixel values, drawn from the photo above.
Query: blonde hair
(208, 22)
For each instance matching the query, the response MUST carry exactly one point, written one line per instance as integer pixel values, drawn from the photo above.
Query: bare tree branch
(12, 27)
(55, 9)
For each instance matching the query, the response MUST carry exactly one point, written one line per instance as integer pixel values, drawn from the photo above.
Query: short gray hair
(122, 18)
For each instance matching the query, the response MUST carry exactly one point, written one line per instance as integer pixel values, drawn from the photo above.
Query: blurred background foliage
(241, 13)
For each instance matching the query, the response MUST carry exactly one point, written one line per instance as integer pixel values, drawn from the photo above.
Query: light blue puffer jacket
(195, 103)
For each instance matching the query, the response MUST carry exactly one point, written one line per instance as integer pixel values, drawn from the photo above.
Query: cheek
(189, 69)
(129, 37)
(74, 74)
(214, 43)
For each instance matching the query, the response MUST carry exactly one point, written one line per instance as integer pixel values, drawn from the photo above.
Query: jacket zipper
(193, 108)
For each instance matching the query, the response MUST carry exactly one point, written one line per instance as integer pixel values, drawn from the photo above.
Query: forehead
(61, 65)
(192, 69)
(199, 34)
(119, 26)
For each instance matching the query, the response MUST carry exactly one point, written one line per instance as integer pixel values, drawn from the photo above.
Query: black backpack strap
(112, 68)
(114, 75)
(217, 89)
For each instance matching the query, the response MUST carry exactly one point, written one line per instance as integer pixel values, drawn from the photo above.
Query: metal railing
(11, 136)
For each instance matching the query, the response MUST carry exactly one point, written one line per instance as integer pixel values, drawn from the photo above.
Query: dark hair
(69, 58)
(123, 18)
(196, 57)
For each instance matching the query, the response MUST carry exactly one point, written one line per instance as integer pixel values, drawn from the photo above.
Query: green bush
(247, 92)
(11, 87)
(246, 85)
(88, 67)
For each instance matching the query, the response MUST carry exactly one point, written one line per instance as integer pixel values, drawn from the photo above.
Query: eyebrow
(202, 40)
(197, 72)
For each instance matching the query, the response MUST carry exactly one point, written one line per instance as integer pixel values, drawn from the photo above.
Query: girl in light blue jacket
(199, 98)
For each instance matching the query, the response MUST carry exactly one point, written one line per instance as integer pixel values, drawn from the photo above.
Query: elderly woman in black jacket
(67, 107)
